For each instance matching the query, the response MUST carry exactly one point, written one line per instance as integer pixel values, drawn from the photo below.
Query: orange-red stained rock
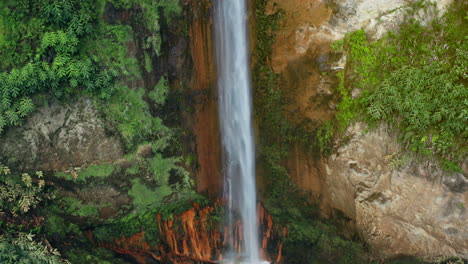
(189, 238)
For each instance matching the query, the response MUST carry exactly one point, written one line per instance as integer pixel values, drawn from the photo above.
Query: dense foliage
(62, 48)
(43, 51)
(415, 79)
(21, 193)
(24, 250)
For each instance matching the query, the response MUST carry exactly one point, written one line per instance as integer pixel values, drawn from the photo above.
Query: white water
(235, 110)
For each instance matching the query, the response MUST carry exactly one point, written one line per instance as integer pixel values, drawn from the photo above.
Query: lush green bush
(42, 51)
(64, 47)
(415, 79)
(23, 250)
(21, 193)
(130, 114)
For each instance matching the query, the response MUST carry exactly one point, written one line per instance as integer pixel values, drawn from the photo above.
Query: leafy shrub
(423, 102)
(23, 249)
(127, 110)
(19, 194)
(414, 79)
(160, 92)
(57, 48)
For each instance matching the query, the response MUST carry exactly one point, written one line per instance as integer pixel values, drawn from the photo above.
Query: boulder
(401, 205)
(58, 137)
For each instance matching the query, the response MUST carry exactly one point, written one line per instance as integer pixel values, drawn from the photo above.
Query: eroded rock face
(60, 136)
(401, 206)
(194, 236)
(204, 120)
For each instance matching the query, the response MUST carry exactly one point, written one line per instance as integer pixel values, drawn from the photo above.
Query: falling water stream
(235, 111)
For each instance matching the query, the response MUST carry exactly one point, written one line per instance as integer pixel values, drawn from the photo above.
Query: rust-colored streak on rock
(170, 236)
(191, 238)
(300, 55)
(205, 118)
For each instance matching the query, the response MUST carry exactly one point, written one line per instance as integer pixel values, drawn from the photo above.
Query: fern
(414, 79)
(18, 197)
(23, 249)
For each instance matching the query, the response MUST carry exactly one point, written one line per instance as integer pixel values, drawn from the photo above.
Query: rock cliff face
(59, 137)
(398, 206)
(205, 117)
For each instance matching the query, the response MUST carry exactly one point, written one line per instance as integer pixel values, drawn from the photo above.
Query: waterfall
(235, 111)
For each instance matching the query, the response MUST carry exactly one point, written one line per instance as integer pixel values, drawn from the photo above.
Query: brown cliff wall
(205, 116)
(412, 210)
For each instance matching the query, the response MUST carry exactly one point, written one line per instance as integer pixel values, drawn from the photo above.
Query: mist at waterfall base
(235, 111)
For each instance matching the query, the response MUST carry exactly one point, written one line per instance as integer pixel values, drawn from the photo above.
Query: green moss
(145, 198)
(64, 175)
(134, 170)
(96, 170)
(148, 63)
(127, 110)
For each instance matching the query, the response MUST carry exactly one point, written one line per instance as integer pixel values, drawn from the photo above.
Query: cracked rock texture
(400, 206)
(58, 137)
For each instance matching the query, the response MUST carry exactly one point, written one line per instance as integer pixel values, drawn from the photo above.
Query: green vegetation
(92, 256)
(56, 225)
(94, 170)
(145, 198)
(127, 111)
(19, 194)
(146, 220)
(62, 48)
(23, 249)
(84, 175)
(414, 79)
(69, 48)
(73, 206)
(42, 51)
(170, 9)
(161, 169)
(160, 92)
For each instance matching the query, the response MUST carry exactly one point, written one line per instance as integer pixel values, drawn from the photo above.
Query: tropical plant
(22, 249)
(21, 193)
